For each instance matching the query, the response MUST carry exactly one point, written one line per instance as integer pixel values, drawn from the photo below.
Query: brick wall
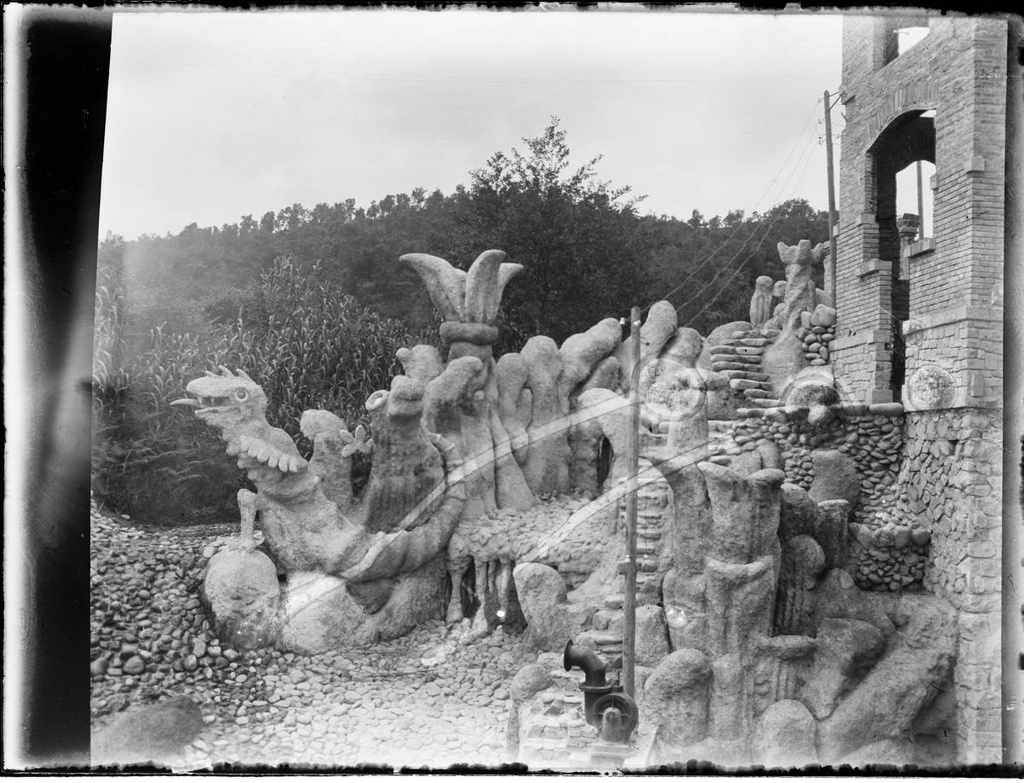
(959, 71)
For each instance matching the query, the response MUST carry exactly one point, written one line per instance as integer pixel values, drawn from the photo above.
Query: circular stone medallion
(931, 388)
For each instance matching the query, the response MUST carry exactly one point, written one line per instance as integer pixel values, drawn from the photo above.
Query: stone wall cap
(886, 409)
(921, 321)
(921, 247)
(873, 265)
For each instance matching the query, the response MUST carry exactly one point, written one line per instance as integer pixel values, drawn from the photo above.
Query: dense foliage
(310, 346)
(321, 329)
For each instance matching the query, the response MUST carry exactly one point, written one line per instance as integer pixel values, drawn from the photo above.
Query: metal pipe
(587, 660)
(594, 685)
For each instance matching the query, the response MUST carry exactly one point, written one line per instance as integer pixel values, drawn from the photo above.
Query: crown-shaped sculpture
(468, 301)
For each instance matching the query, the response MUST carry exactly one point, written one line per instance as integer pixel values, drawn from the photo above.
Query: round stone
(134, 665)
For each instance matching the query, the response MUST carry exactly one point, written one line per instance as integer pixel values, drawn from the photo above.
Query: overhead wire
(707, 259)
(800, 158)
(804, 158)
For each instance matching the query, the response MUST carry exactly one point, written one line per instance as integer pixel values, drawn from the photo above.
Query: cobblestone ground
(423, 700)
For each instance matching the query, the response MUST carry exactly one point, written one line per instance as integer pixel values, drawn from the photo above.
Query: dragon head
(226, 400)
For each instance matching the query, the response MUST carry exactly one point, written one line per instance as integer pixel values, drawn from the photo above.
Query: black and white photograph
(536, 390)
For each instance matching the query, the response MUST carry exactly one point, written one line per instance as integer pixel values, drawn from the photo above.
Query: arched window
(894, 160)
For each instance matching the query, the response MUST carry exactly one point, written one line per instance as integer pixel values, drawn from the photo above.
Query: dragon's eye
(241, 395)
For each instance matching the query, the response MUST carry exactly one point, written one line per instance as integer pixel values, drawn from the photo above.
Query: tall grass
(304, 341)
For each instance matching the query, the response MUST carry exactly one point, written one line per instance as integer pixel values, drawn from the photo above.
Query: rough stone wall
(953, 478)
(873, 440)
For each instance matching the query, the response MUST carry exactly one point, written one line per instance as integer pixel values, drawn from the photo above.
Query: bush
(305, 342)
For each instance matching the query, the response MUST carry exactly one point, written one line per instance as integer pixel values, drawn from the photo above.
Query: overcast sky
(212, 116)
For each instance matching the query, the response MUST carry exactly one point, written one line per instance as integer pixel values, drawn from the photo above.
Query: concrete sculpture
(777, 601)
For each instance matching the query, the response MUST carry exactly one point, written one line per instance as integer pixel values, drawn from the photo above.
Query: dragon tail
(407, 549)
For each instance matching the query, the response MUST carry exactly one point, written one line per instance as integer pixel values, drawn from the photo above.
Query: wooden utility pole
(633, 458)
(830, 280)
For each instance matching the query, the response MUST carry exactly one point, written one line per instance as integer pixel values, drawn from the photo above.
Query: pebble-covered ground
(423, 700)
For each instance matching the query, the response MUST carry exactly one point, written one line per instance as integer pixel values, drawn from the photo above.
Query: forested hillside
(587, 250)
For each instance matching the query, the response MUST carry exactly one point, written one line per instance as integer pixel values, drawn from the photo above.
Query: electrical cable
(728, 239)
(805, 159)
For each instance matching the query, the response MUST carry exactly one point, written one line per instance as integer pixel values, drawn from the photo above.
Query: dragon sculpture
(303, 528)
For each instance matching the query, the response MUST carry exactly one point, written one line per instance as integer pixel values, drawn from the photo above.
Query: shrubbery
(305, 342)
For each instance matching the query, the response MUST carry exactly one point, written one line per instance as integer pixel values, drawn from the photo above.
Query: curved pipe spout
(587, 660)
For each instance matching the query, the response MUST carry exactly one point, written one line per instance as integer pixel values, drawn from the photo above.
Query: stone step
(749, 359)
(723, 366)
(642, 564)
(742, 384)
(613, 601)
(745, 375)
(722, 350)
(758, 394)
(756, 342)
(747, 350)
(765, 403)
(651, 525)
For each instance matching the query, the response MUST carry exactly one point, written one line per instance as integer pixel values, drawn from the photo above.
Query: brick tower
(920, 317)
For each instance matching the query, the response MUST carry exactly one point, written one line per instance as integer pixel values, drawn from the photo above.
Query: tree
(576, 236)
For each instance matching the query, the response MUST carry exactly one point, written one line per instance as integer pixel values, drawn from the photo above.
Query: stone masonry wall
(871, 435)
(887, 552)
(953, 477)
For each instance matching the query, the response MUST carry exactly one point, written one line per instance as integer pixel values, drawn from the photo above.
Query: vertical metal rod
(633, 457)
(830, 284)
(920, 204)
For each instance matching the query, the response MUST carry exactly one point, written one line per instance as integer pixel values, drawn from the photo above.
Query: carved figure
(761, 302)
(784, 358)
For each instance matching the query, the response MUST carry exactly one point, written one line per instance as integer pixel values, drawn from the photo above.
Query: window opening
(894, 159)
(902, 35)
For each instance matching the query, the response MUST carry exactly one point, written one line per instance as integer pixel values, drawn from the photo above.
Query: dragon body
(304, 529)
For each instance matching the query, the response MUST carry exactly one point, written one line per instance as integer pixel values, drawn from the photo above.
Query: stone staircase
(738, 358)
(653, 515)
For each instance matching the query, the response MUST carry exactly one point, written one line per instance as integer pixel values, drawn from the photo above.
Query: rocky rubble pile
(423, 700)
(817, 330)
